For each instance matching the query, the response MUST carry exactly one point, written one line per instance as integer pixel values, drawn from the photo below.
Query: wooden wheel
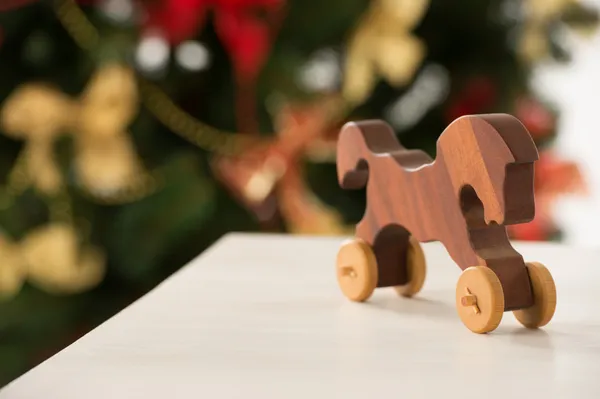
(416, 270)
(479, 299)
(544, 298)
(356, 270)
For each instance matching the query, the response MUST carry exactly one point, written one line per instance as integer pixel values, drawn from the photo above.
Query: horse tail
(358, 142)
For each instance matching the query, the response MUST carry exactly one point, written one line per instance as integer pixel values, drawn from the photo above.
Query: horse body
(476, 185)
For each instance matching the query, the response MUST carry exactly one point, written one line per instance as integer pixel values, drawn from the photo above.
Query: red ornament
(246, 27)
(535, 117)
(536, 230)
(478, 95)
(259, 176)
(176, 19)
(553, 177)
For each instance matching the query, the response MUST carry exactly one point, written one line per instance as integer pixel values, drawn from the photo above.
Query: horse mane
(358, 141)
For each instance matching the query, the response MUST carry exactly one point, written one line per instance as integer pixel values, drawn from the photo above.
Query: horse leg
(390, 245)
(391, 250)
(488, 245)
(482, 244)
(493, 247)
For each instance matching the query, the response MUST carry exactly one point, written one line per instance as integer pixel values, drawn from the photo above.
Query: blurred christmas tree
(136, 133)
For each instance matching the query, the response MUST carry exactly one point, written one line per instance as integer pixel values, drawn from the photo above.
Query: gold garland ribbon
(204, 136)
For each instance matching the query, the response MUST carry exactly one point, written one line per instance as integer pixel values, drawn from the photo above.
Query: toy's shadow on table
(415, 307)
(429, 308)
(533, 338)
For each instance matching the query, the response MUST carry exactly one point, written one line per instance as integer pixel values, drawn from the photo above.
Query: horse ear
(357, 143)
(352, 151)
(514, 134)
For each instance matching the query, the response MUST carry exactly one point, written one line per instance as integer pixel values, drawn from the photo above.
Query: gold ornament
(37, 114)
(12, 270)
(106, 163)
(534, 43)
(56, 263)
(105, 160)
(51, 258)
(546, 10)
(198, 133)
(383, 45)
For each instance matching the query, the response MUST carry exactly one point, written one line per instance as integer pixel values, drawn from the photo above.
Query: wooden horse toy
(480, 181)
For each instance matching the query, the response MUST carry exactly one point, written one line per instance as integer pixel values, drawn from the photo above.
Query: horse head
(489, 159)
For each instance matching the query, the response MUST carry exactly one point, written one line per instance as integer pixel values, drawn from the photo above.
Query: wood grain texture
(480, 181)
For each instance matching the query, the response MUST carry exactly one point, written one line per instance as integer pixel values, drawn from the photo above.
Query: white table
(261, 316)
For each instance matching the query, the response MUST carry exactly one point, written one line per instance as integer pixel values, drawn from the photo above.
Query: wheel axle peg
(348, 271)
(470, 300)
